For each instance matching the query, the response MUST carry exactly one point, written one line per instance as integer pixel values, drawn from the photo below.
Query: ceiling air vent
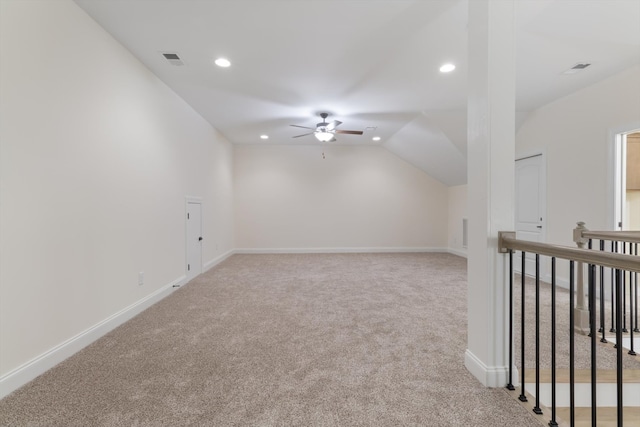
(173, 59)
(576, 68)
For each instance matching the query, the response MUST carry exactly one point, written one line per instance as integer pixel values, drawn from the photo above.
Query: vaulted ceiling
(372, 64)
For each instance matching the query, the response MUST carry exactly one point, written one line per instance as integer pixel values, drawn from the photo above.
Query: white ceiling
(372, 64)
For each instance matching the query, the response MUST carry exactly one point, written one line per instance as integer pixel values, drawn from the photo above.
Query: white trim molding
(20, 376)
(459, 252)
(217, 260)
(192, 199)
(612, 168)
(489, 376)
(336, 250)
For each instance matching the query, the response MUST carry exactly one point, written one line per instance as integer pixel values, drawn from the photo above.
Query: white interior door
(194, 239)
(530, 196)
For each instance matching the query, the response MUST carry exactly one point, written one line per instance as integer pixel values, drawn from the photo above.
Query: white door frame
(621, 182)
(191, 200)
(542, 197)
(614, 173)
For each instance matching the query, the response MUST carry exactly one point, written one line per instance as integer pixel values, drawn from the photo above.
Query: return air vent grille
(173, 58)
(577, 68)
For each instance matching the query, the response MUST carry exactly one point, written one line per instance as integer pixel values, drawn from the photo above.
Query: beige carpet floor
(283, 340)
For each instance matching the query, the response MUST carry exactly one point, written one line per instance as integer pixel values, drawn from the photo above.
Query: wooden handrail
(507, 240)
(620, 236)
(582, 234)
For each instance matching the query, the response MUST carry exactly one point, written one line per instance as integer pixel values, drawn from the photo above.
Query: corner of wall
(20, 376)
(489, 376)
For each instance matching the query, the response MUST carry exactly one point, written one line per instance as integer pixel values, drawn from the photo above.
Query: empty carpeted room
(303, 234)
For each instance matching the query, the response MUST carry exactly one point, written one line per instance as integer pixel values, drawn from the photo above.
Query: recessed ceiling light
(222, 62)
(376, 138)
(447, 68)
(264, 136)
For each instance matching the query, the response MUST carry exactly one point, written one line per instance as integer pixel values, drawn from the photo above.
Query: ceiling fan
(325, 132)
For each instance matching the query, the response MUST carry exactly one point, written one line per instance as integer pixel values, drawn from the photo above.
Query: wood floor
(583, 376)
(606, 416)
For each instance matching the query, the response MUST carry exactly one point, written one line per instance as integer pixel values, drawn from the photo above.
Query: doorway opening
(627, 181)
(193, 215)
(530, 205)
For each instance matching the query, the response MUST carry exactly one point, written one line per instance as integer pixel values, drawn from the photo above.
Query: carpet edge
(20, 376)
(338, 250)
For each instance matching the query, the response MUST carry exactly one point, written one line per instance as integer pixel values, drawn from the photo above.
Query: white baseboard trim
(458, 252)
(561, 282)
(335, 250)
(217, 260)
(20, 376)
(489, 376)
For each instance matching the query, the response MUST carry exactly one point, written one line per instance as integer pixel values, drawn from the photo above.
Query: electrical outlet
(141, 278)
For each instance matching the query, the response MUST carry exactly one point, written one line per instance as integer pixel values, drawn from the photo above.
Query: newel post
(581, 311)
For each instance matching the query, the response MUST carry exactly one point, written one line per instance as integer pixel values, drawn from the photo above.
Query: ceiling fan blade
(334, 124)
(350, 132)
(303, 127)
(304, 134)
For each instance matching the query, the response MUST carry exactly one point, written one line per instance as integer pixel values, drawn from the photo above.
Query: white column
(490, 171)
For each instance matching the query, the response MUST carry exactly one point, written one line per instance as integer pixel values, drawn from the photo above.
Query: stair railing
(625, 242)
(619, 263)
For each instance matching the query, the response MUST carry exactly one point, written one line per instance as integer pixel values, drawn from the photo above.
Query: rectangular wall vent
(173, 58)
(464, 232)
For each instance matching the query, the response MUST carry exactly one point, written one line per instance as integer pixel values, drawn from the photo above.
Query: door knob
(199, 239)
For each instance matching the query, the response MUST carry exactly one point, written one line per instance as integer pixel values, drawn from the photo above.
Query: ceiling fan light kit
(323, 136)
(222, 62)
(325, 132)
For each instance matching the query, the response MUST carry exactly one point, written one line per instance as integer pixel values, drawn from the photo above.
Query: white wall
(289, 197)
(576, 132)
(457, 211)
(97, 156)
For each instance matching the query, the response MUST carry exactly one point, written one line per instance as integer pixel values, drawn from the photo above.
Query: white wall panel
(577, 133)
(97, 156)
(290, 197)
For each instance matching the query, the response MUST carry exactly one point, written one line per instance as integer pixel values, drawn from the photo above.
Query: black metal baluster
(536, 408)
(633, 300)
(510, 384)
(632, 350)
(592, 322)
(553, 421)
(572, 381)
(624, 294)
(619, 292)
(603, 339)
(614, 248)
(523, 396)
(589, 246)
(635, 275)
